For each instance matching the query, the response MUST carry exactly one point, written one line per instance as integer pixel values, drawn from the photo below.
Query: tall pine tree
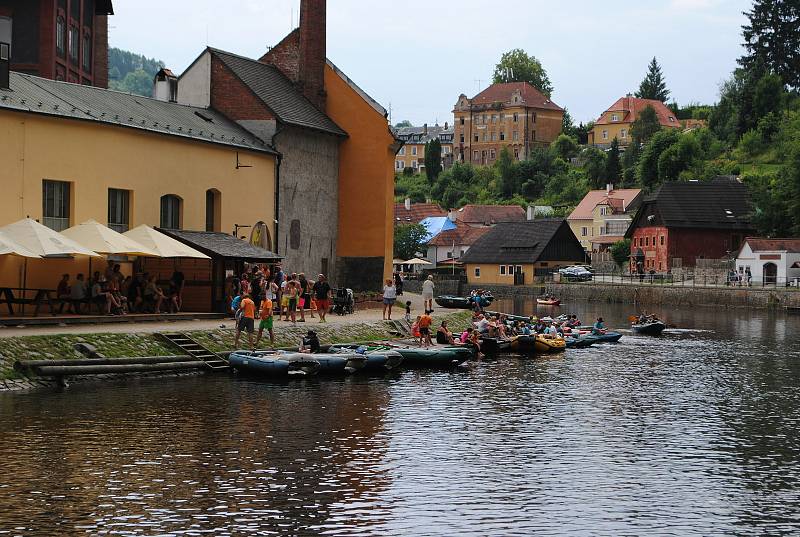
(613, 166)
(653, 86)
(773, 37)
(433, 159)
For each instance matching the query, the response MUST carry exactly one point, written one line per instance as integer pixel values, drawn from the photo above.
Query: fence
(684, 279)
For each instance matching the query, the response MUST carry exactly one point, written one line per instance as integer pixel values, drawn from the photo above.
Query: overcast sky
(417, 56)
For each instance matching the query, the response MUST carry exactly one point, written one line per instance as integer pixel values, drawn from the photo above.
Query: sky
(416, 57)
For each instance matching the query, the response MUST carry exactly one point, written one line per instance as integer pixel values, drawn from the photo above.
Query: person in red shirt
(247, 320)
(425, 322)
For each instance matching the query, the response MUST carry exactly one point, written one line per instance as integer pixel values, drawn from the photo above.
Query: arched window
(213, 210)
(171, 211)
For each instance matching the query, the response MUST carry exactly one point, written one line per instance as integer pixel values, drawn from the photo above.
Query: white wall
(194, 85)
(748, 258)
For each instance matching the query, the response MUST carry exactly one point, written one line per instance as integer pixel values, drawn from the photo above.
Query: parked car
(576, 273)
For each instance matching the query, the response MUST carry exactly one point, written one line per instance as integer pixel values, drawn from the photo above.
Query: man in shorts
(247, 320)
(266, 322)
(425, 322)
(322, 293)
(427, 294)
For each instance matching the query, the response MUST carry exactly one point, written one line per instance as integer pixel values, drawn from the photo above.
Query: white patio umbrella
(104, 240)
(162, 245)
(9, 246)
(417, 261)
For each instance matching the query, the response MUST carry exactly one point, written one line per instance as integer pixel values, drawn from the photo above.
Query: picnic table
(17, 295)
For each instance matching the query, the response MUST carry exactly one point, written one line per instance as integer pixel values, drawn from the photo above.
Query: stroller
(343, 301)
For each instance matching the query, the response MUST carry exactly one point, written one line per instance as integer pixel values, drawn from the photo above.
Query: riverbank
(217, 339)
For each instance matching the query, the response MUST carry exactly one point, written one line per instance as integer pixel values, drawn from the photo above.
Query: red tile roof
(490, 214)
(463, 235)
(760, 244)
(417, 213)
(595, 197)
(631, 107)
(503, 93)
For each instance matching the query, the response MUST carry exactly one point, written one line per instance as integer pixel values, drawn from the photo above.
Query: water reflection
(693, 433)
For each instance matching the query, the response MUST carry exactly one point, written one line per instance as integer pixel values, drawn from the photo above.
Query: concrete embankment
(125, 345)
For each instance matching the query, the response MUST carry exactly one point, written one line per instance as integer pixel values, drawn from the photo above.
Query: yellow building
(603, 216)
(412, 154)
(72, 153)
(517, 253)
(616, 122)
(514, 115)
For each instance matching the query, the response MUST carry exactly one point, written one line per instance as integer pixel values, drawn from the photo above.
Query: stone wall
(308, 206)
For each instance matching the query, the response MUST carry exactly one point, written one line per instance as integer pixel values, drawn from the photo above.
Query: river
(693, 433)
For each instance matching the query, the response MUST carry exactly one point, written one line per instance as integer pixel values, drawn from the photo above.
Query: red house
(684, 221)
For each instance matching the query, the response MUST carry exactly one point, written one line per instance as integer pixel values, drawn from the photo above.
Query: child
(266, 322)
(415, 328)
(408, 311)
(425, 322)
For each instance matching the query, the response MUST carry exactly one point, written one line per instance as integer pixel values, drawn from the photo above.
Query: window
(502, 270)
(213, 210)
(61, 29)
(119, 202)
(402, 151)
(502, 136)
(477, 272)
(623, 133)
(483, 118)
(494, 118)
(492, 154)
(533, 135)
(647, 241)
(584, 231)
(671, 119)
(398, 164)
(171, 211)
(486, 137)
(461, 139)
(73, 44)
(415, 164)
(516, 153)
(475, 155)
(516, 117)
(654, 240)
(614, 117)
(476, 138)
(55, 204)
(502, 117)
(662, 240)
(494, 136)
(605, 135)
(515, 136)
(461, 120)
(602, 230)
(519, 269)
(511, 269)
(87, 52)
(534, 117)
(603, 211)
(414, 150)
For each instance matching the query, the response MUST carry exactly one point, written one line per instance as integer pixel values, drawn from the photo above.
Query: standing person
(389, 298)
(398, 282)
(247, 320)
(255, 290)
(305, 298)
(266, 321)
(427, 293)
(408, 311)
(292, 293)
(425, 322)
(178, 281)
(280, 280)
(749, 276)
(322, 293)
(312, 304)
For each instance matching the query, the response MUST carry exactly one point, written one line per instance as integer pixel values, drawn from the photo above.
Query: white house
(771, 261)
(451, 244)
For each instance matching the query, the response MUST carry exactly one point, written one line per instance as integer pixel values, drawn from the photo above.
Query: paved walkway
(362, 315)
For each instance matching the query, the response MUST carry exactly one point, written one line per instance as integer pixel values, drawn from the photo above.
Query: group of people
(501, 327)
(393, 288)
(118, 294)
(269, 293)
(740, 278)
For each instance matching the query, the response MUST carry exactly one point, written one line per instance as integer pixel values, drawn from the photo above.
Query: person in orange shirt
(425, 322)
(247, 321)
(266, 322)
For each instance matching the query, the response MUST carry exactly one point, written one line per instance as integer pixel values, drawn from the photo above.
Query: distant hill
(130, 72)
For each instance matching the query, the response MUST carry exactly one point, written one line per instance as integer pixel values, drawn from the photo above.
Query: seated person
(482, 325)
(62, 291)
(599, 327)
(153, 295)
(310, 343)
(77, 295)
(443, 335)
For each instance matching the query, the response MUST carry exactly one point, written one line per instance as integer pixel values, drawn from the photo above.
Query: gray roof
(278, 92)
(418, 135)
(216, 245)
(36, 95)
(549, 239)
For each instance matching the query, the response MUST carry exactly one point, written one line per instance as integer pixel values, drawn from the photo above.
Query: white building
(771, 261)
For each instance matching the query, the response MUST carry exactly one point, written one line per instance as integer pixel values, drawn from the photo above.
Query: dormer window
(671, 119)
(614, 117)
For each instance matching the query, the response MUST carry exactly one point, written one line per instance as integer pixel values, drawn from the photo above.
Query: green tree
(677, 158)
(645, 126)
(772, 38)
(595, 167)
(137, 82)
(613, 166)
(620, 252)
(433, 159)
(517, 66)
(647, 168)
(653, 86)
(402, 124)
(567, 125)
(508, 176)
(565, 146)
(121, 63)
(408, 240)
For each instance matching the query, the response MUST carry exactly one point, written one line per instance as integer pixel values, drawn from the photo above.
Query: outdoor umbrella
(416, 261)
(162, 245)
(104, 240)
(9, 246)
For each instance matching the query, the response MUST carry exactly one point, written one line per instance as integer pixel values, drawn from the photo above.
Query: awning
(10, 247)
(43, 241)
(104, 240)
(161, 244)
(221, 245)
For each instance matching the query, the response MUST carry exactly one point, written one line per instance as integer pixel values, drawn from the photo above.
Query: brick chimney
(312, 51)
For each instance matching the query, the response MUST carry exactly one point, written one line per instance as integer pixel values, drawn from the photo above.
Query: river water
(693, 433)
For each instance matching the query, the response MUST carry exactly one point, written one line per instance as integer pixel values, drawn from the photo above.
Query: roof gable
(631, 107)
(278, 93)
(490, 214)
(462, 235)
(526, 242)
(416, 213)
(762, 244)
(530, 96)
(623, 197)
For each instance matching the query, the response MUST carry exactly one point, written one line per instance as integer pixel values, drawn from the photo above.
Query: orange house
(366, 176)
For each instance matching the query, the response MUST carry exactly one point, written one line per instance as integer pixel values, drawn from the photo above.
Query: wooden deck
(49, 320)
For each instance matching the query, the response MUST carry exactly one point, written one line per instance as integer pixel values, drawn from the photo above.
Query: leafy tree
(647, 169)
(653, 86)
(565, 146)
(613, 166)
(517, 66)
(508, 176)
(408, 240)
(433, 159)
(137, 82)
(122, 63)
(772, 37)
(595, 167)
(620, 252)
(677, 158)
(402, 124)
(645, 126)
(567, 125)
